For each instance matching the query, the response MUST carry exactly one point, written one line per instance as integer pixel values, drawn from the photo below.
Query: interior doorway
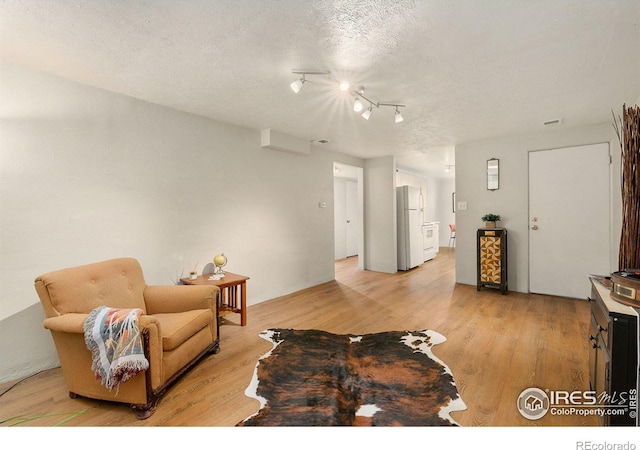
(348, 203)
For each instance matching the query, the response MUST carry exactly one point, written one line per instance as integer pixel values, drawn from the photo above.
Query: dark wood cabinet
(613, 357)
(492, 258)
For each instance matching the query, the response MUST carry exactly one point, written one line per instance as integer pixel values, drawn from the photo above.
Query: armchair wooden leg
(214, 348)
(145, 411)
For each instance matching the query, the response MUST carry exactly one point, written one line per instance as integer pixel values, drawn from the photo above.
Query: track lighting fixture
(357, 92)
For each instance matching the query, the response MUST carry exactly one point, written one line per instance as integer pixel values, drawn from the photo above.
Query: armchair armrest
(170, 299)
(66, 323)
(74, 323)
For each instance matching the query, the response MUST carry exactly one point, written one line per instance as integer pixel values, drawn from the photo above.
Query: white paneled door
(352, 219)
(346, 218)
(568, 219)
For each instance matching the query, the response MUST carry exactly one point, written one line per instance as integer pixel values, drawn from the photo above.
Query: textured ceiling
(466, 70)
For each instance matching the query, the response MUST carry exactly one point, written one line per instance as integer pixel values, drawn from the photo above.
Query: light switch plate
(462, 206)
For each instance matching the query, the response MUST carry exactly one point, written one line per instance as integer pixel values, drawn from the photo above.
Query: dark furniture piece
(492, 258)
(613, 357)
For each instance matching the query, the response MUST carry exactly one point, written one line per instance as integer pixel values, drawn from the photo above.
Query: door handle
(534, 227)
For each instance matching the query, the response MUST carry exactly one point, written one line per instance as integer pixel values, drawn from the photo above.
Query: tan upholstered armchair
(179, 325)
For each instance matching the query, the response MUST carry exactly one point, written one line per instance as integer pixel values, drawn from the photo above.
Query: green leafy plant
(491, 217)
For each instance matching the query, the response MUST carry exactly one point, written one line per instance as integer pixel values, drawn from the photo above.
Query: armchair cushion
(171, 299)
(178, 327)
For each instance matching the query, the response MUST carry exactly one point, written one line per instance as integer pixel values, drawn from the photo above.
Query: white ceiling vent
(283, 142)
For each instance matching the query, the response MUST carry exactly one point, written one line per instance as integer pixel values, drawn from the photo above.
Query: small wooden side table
(229, 286)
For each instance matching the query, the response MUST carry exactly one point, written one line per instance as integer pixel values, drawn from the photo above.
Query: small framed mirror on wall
(493, 174)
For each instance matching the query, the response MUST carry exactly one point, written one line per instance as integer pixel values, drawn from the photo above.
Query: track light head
(367, 113)
(399, 117)
(297, 85)
(357, 105)
(344, 86)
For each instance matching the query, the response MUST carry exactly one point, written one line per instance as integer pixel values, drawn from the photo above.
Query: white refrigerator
(410, 240)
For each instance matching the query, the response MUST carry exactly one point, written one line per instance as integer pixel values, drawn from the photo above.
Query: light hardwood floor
(497, 345)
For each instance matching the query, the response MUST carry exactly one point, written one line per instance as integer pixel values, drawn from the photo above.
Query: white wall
(381, 246)
(87, 175)
(446, 186)
(340, 217)
(432, 208)
(511, 200)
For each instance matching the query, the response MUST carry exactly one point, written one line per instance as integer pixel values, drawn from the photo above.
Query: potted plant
(490, 220)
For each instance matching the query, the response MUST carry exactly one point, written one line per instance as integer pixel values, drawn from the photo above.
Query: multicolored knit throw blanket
(114, 339)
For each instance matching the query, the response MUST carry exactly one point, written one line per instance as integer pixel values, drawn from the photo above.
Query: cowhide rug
(315, 378)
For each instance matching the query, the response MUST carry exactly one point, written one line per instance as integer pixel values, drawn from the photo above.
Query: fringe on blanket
(113, 337)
